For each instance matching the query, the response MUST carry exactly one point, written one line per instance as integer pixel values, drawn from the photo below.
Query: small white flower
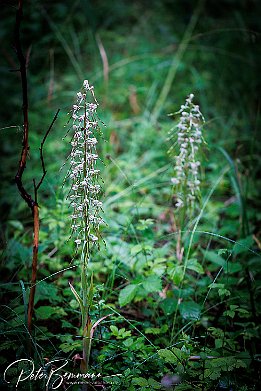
(93, 238)
(179, 203)
(175, 181)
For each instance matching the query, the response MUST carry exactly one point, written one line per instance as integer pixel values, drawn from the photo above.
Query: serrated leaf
(152, 284)
(127, 294)
(224, 292)
(169, 305)
(229, 313)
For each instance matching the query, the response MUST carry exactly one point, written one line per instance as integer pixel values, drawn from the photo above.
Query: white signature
(54, 379)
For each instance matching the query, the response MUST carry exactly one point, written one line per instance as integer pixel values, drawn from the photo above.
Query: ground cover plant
(148, 267)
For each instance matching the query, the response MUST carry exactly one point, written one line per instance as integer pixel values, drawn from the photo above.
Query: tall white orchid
(187, 135)
(84, 195)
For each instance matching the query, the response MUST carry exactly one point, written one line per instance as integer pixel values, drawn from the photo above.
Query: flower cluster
(188, 136)
(83, 174)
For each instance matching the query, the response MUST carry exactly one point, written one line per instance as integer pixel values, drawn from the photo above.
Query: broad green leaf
(176, 274)
(16, 224)
(114, 330)
(46, 312)
(152, 284)
(189, 310)
(228, 266)
(169, 305)
(213, 257)
(193, 264)
(127, 294)
(168, 355)
(180, 354)
(47, 291)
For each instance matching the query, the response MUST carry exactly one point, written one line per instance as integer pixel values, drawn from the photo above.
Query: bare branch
(25, 147)
(41, 151)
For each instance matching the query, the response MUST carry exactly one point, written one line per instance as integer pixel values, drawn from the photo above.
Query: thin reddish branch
(34, 266)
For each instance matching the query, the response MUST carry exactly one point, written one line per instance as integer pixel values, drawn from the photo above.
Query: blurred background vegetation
(140, 39)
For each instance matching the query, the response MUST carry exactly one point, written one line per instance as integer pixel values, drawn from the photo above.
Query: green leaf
(152, 284)
(213, 257)
(114, 330)
(227, 265)
(176, 274)
(224, 292)
(16, 224)
(243, 245)
(140, 381)
(218, 343)
(184, 387)
(154, 384)
(46, 312)
(193, 264)
(168, 356)
(169, 305)
(229, 313)
(127, 294)
(189, 310)
(47, 291)
(77, 297)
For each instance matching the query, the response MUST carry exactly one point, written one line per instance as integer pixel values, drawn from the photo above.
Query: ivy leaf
(189, 310)
(127, 294)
